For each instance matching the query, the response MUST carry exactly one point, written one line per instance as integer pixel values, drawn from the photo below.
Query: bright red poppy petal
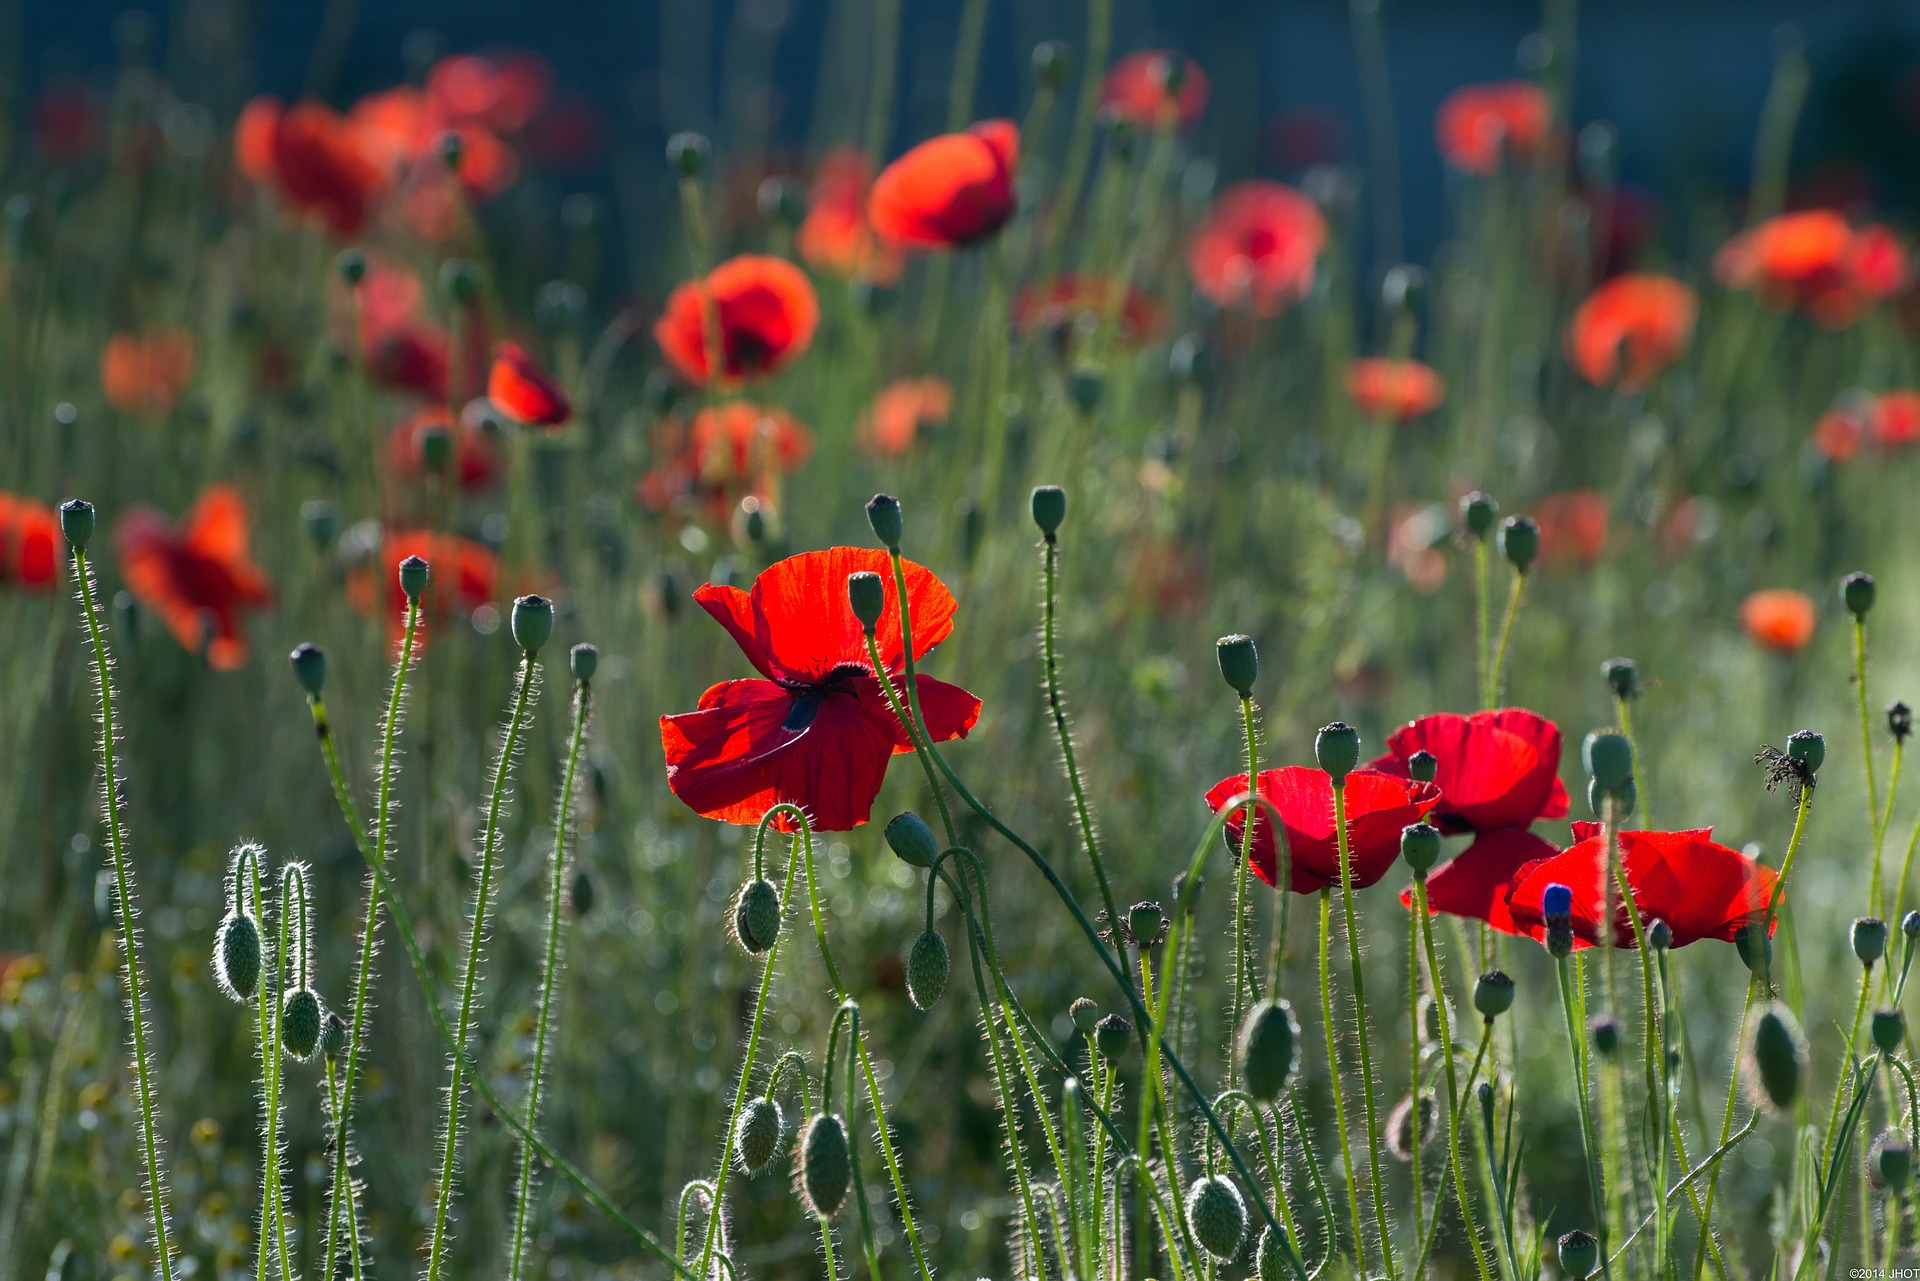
(1474, 883)
(524, 392)
(733, 609)
(949, 711)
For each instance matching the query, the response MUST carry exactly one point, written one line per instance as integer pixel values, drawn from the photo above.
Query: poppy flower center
(809, 695)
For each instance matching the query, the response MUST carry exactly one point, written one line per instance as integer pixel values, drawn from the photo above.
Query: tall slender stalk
(1333, 1084)
(1423, 926)
(1570, 1006)
(1496, 678)
(1379, 1194)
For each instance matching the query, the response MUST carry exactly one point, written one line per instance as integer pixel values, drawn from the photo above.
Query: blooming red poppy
(1894, 419)
(1479, 125)
(739, 441)
(1573, 527)
(197, 576)
(1497, 769)
(766, 311)
(253, 138)
(1701, 889)
(320, 166)
(1840, 433)
(1135, 89)
(893, 422)
(952, 190)
(464, 576)
(1257, 247)
(29, 543)
(817, 731)
(524, 392)
(1038, 309)
(1474, 883)
(1779, 618)
(144, 374)
(1814, 260)
(1379, 805)
(502, 93)
(1631, 328)
(835, 235)
(475, 459)
(1398, 389)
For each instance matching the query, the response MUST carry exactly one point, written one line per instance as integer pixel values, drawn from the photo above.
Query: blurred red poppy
(817, 731)
(476, 461)
(1135, 89)
(318, 162)
(464, 576)
(143, 374)
(196, 576)
(1378, 807)
(1497, 769)
(766, 312)
(893, 422)
(29, 543)
(1631, 328)
(1474, 883)
(253, 138)
(1573, 527)
(1402, 390)
(1701, 889)
(1257, 247)
(501, 93)
(1817, 262)
(1479, 126)
(1779, 618)
(65, 123)
(835, 235)
(1894, 419)
(952, 190)
(739, 440)
(525, 393)
(1059, 306)
(1840, 433)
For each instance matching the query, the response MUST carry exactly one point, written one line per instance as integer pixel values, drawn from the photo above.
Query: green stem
(1644, 797)
(1866, 755)
(1246, 986)
(269, 1061)
(1589, 1137)
(1360, 1022)
(886, 45)
(1482, 590)
(1425, 927)
(1080, 149)
(1496, 678)
(1339, 1093)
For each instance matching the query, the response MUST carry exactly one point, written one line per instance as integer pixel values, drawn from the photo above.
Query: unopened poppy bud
(1809, 748)
(413, 576)
(868, 596)
(1754, 947)
(1239, 662)
(1084, 1013)
(333, 1035)
(1189, 360)
(1428, 1018)
(1856, 593)
(320, 521)
(757, 1133)
(1889, 1028)
(1477, 513)
(351, 265)
(1085, 387)
(1218, 1215)
(236, 956)
(1899, 721)
(912, 840)
(436, 448)
(756, 916)
(309, 668)
(1493, 994)
(1605, 1031)
(580, 893)
(1420, 847)
(1404, 287)
(1145, 921)
(76, 522)
(583, 660)
(1910, 924)
(1337, 748)
(1111, 1036)
(1890, 1161)
(1608, 758)
(1869, 939)
(883, 513)
(1659, 936)
(1049, 508)
(1050, 63)
(1520, 541)
(782, 201)
(1557, 911)
(1423, 766)
(1268, 1044)
(688, 153)
(826, 1165)
(928, 964)
(1622, 676)
(1270, 1255)
(460, 279)
(452, 148)
(1411, 1125)
(1579, 1254)
(1779, 1056)
(532, 623)
(300, 1020)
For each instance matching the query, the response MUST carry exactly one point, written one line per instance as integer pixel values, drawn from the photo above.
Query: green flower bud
(1808, 748)
(1890, 1161)
(1605, 1031)
(756, 916)
(413, 577)
(236, 956)
(1050, 63)
(1111, 1036)
(532, 622)
(436, 448)
(912, 840)
(333, 1035)
(883, 513)
(1171, 71)
(1477, 513)
(757, 1132)
(76, 522)
(1857, 592)
(867, 593)
(583, 660)
(1239, 662)
(1579, 1254)
(1659, 935)
(1084, 1014)
(1337, 748)
(782, 201)
(1420, 847)
(309, 667)
(580, 893)
(351, 265)
(1049, 507)
(1910, 924)
(460, 279)
(300, 1020)
(1889, 1027)
(1423, 766)
(1622, 676)
(1520, 541)
(928, 964)
(1609, 759)
(1218, 1215)
(1493, 994)
(1427, 1016)
(1084, 388)
(1268, 1044)
(688, 154)
(319, 520)
(452, 148)
(1404, 287)
(1779, 1055)
(1869, 939)
(1270, 1256)
(826, 1165)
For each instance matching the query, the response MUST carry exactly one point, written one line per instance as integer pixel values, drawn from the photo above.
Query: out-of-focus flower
(766, 313)
(835, 235)
(1840, 433)
(1779, 618)
(1894, 419)
(1479, 126)
(1070, 298)
(465, 576)
(524, 392)
(1573, 527)
(949, 191)
(1135, 89)
(1817, 262)
(893, 422)
(740, 441)
(66, 123)
(1413, 547)
(316, 159)
(144, 373)
(476, 460)
(197, 576)
(1631, 328)
(29, 543)
(1381, 387)
(1257, 247)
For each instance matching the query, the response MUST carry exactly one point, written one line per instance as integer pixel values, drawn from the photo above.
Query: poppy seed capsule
(351, 264)
(1605, 1031)
(1217, 1214)
(756, 916)
(1337, 748)
(1856, 593)
(309, 667)
(1779, 1056)
(1808, 748)
(1423, 766)
(532, 622)
(300, 1020)
(76, 522)
(1477, 513)
(1890, 1161)
(1268, 1044)
(688, 153)
(1270, 1255)
(414, 572)
(909, 837)
(1145, 921)
(1899, 721)
(1608, 758)
(1889, 1028)
(867, 594)
(1493, 994)
(1520, 541)
(236, 957)
(883, 513)
(757, 1132)
(1084, 1013)
(1622, 676)
(1050, 63)
(1239, 662)
(1111, 1036)
(928, 964)
(1869, 939)
(1049, 507)
(1420, 847)
(1579, 1254)
(583, 660)
(1623, 797)
(826, 1165)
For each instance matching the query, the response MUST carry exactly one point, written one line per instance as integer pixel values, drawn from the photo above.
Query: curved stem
(1497, 677)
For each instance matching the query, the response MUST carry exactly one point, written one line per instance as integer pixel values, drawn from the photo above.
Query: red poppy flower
(1257, 247)
(475, 459)
(1779, 618)
(739, 440)
(835, 235)
(253, 138)
(144, 374)
(1135, 89)
(29, 543)
(817, 731)
(465, 575)
(196, 576)
(1817, 262)
(1378, 806)
(1840, 433)
(1894, 419)
(1702, 890)
(524, 392)
(893, 422)
(952, 190)
(1398, 389)
(65, 122)
(321, 167)
(502, 93)
(1630, 329)
(1573, 526)
(1497, 769)
(766, 310)
(1479, 125)
(1474, 883)
(1041, 309)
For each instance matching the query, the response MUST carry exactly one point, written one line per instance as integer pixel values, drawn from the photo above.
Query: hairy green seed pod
(1809, 748)
(1239, 663)
(889, 526)
(1856, 593)
(1477, 513)
(756, 916)
(1493, 994)
(1520, 541)
(236, 956)
(1217, 1214)
(309, 667)
(757, 1133)
(1049, 508)
(1270, 1256)
(1889, 1028)
(414, 572)
(1579, 1254)
(1420, 847)
(333, 1035)
(867, 594)
(532, 622)
(76, 522)
(1268, 1045)
(826, 1165)
(1608, 758)
(583, 660)
(1423, 766)
(1145, 922)
(909, 837)
(300, 1020)
(928, 964)
(1779, 1056)
(1337, 748)
(1622, 676)
(1084, 1013)
(1890, 1161)
(1869, 939)
(1111, 1036)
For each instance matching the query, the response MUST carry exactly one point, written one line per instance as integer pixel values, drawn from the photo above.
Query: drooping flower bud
(413, 576)
(1420, 847)
(867, 594)
(300, 1020)
(532, 623)
(1085, 1014)
(1622, 677)
(1111, 1036)
(309, 668)
(1910, 924)
(757, 1133)
(928, 964)
(1337, 748)
(583, 660)
(580, 893)
(1427, 1018)
(1218, 1215)
(756, 916)
(688, 153)
(1869, 938)
(1856, 593)
(1809, 748)
(1899, 721)
(883, 514)
(1478, 512)
(1268, 1045)
(1889, 1028)
(1520, 541)
(1890, 1161)
(1423, 766)
(236, 956)
(826, 1165)
(76, 522)
(1493, 994)
(1605, 1031)
(1411, 1125)
(1579, 1254)
(1609, 759)
(1239, 662)
(909, 837)
(1779, 1055)
(1049, 507)
(1755, 948)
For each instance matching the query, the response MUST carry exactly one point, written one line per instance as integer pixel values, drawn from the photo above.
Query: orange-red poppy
(1041, 308)
(1817, 262)
(464, 575)
(501, 93)
(524, 392)
(1779, 618)
(1382, 387)
(952, 190)
(144, 374)
(1135, 89)
(1894, 419)
(835, 236)
(197, 576)
(476, 460)
(1573, 526)
(1631, 328)
(253, 138)
(1479, 125)
(29, 543)
(1840, 433)
(1257, 247)
(766, 311)
(322, 169)
(893, 422)
(741, 441)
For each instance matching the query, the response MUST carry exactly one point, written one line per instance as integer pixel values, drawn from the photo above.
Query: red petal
(1497, 769)
(1474, 883)
(524, 392)
(950, 190)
